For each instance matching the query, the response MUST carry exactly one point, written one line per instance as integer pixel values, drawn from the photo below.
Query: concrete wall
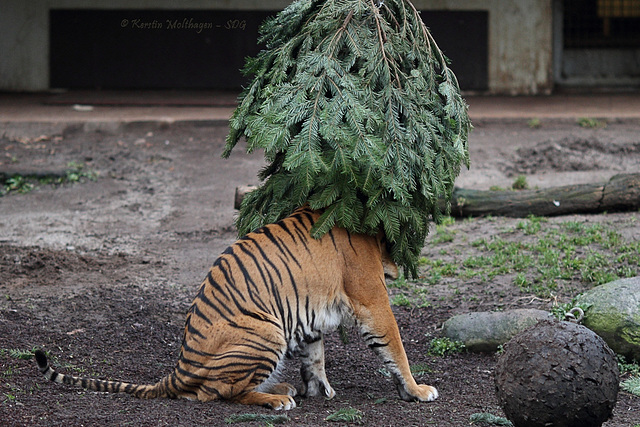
(610, 67)
(520, 42)
(520, 37)
(24, 37)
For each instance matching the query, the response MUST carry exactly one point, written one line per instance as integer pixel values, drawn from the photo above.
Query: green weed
(411, 294)
(444, 346)
(560, 311)
(346, 415)
(17, 184)
(419, 370)
(532, 225)
(75, 172)
(590, 123)
(401, 300)
(487, 418)
(631, 385)
(20, 354)
(626, 367)
(520, 183)
(534, 123)
(443, 231)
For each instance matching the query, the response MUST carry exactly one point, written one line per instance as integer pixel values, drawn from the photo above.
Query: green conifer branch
(358, 114)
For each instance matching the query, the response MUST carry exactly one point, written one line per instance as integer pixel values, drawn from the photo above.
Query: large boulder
(486, 331)
(557, 374)
(613, 312)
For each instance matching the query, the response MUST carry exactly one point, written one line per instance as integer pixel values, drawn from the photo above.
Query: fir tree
(358, 114)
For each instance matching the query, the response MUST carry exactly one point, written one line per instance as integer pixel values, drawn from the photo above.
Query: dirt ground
(101, 273)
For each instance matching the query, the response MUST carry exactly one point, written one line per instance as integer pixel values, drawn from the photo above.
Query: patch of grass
(541, 257)
(631, 385)
(18, 184)
(444, 346)
(532, 225)
(443, 231)
(401, 300)
(591, 123)
(520, 183)
(346, 415)
(8, 372)
(16, 353)
(410, 294)
(401, 283)
(626, 367)
(489, 419)
(416, 298)
(75, 172)
(419, 370)
(534, 123)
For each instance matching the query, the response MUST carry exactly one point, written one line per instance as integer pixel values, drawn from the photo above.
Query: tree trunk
(621, 192)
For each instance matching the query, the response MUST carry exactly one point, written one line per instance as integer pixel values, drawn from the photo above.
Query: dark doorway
(205, 49)
(463, 36)
(600, 43)
(151, 49)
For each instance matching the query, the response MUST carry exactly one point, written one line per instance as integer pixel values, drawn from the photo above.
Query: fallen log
(620, 193)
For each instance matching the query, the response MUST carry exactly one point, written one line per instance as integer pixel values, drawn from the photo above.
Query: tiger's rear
(275, 292)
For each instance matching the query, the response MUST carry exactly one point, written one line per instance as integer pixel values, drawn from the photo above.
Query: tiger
(274, 294)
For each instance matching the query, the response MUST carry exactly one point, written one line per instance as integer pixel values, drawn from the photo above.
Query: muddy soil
(100, 273)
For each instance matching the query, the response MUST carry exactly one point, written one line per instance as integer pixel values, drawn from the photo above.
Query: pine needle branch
(358, 115)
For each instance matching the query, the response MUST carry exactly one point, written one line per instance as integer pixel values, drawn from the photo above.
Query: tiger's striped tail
(142, 391)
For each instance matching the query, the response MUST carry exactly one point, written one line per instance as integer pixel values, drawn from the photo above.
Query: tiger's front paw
(419, 392)
(426, 393)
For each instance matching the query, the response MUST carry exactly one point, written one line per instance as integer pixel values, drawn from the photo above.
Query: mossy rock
(613, 312)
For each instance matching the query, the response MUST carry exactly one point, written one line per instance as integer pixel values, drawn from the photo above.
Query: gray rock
(613, 312)
(486, 331)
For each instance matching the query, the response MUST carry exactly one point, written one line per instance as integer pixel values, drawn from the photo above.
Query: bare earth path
(101, 273)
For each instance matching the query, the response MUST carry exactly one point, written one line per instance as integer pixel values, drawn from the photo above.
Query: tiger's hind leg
(279, 388)
(314, 377)
(261, 388)
(267, 354)
(270, 393)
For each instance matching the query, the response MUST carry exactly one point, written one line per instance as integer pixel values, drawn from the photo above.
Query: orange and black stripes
(246, 315)
(274, 293)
